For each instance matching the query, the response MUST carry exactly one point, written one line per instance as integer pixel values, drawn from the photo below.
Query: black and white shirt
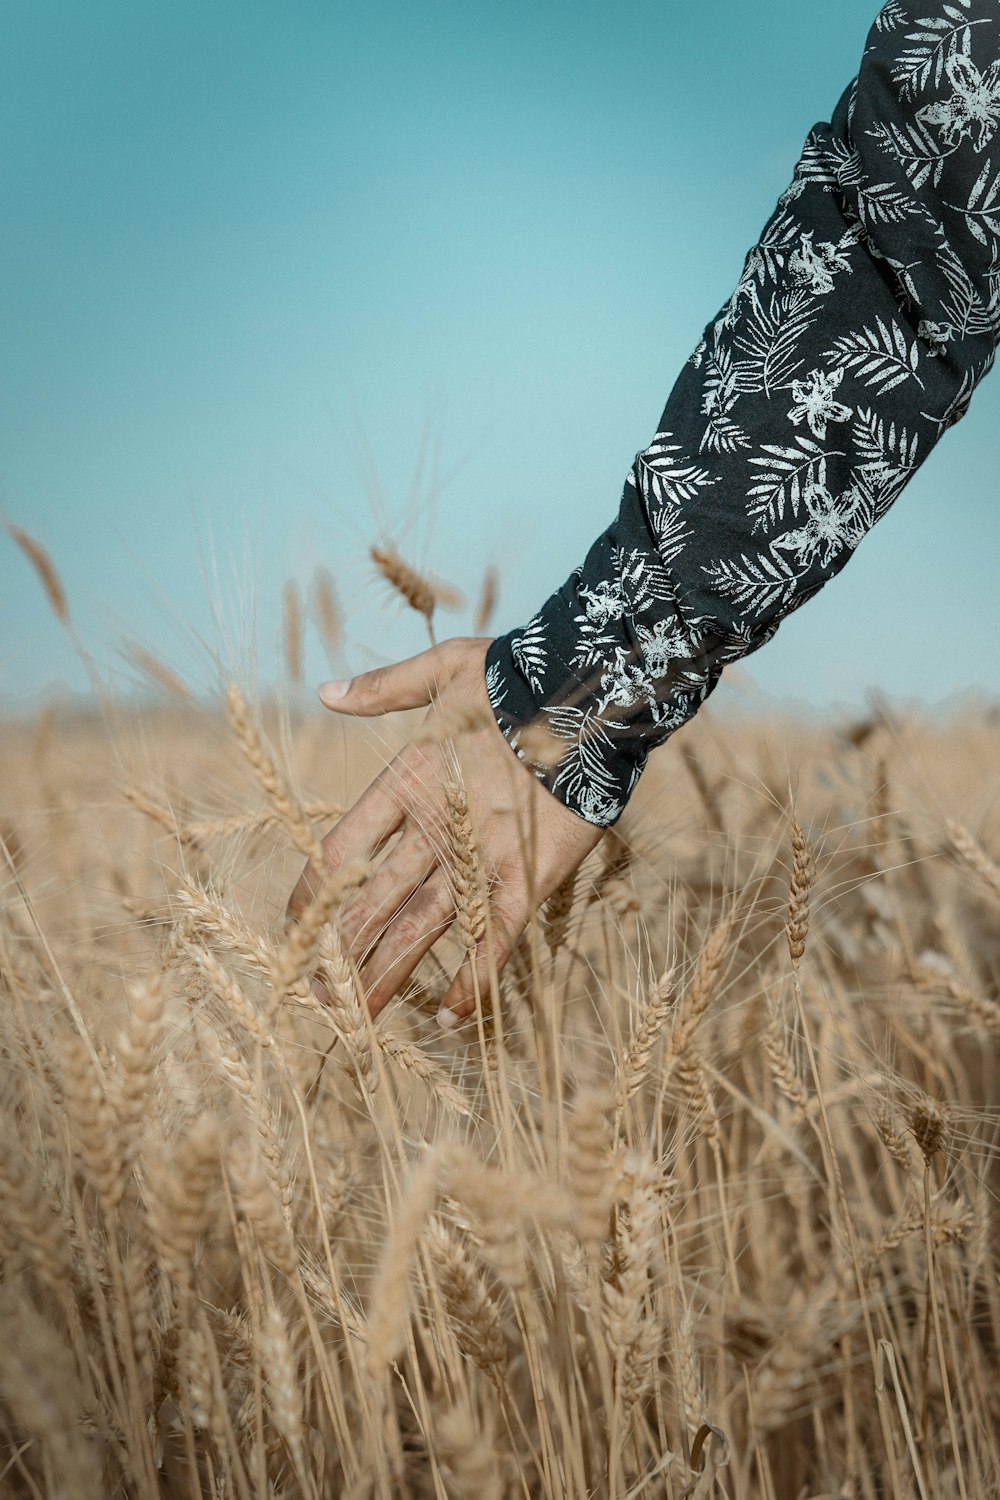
(865, 316)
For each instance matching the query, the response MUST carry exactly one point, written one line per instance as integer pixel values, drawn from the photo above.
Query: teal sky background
(253, 252)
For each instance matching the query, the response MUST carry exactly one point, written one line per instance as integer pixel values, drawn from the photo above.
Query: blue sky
(254, 252)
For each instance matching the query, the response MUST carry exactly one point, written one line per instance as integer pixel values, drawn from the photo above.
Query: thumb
(404, 684)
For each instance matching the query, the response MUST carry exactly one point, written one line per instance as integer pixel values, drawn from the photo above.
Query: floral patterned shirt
(865, 316)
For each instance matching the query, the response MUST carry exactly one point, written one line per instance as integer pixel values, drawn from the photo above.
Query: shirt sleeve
(864, 317)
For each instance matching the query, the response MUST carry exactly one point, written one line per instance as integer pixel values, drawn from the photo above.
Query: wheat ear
(466, 871)
(698, 995)
(649, 1024)
(415, 589)
(273, 784)
(298, 953)
(487, 600)
(803, 871)
(590, 1164)
(46, 570)
(974, 855)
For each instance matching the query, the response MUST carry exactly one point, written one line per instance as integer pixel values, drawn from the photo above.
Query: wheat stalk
(150, 665)
(293, 632)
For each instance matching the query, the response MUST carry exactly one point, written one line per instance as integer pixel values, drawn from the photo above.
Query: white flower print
(666, 642)
(831, 526)
(625, 683)
(597, 807)
(935, 334)
(973, 107)
(815, 265)
(813, 399)
(604, 603)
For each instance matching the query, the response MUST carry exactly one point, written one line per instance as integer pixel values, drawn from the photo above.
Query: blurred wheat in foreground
(701, 1204)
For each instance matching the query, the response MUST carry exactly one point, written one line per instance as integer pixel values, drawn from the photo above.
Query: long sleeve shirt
(864, 317)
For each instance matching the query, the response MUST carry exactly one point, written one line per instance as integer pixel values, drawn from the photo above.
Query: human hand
(410, 900)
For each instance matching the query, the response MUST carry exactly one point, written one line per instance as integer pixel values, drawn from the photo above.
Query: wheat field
(702, 1202)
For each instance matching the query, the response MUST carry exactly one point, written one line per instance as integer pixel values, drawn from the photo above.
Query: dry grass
(702, 1205)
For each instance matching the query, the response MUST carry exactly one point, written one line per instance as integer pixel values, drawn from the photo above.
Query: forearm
(864, 317)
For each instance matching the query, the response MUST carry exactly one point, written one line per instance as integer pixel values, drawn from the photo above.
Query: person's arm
(864, 317)
(863, 320)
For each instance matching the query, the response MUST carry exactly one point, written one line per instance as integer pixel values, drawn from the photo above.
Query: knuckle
(509, 921)
(420, 844)
(301, 895)
(410, 777)
(371, 684)
(354, 920)
(333, 855)
(452, 651)
(441, 894)
(410, 931)
(292, 911)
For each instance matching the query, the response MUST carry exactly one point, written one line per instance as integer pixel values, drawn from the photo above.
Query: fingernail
(332, 692)
(447, 1018)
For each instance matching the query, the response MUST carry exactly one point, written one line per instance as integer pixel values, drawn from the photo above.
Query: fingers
(413, 931)
(409, 865)
(405, 684)
(507, 918)
(359, 834)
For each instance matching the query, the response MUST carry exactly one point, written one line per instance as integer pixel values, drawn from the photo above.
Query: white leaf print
(959, 405)
(882, 447)
(881, 203)
(826, 161)
(759, 582)
(529, 652)
(769, 341)
(585, 772)
(785, 473)
(664, 480)
(496, 688)
(890, 16)
(913, 147)
(766, 261)
(723, 435)
(964, 310)
(644, 579)
(982, 210)
(880, 356)
(672, 533)
(942, 38)
(719, 392)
